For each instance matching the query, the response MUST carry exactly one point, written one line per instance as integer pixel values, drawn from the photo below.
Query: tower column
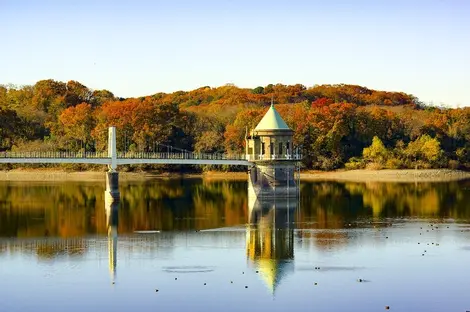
(112, 176)
(112, 151)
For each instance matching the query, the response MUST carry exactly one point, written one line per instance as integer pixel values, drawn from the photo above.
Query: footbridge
(270, 155)
(113, 158)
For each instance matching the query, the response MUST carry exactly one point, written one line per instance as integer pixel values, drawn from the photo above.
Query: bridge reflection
(112, 218)
(270, 238)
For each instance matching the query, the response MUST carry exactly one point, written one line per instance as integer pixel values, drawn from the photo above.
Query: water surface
(193, 245)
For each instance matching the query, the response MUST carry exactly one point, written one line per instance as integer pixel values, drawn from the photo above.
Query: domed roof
(272, 121)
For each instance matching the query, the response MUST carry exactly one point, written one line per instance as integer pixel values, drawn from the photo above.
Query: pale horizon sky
(138, 48)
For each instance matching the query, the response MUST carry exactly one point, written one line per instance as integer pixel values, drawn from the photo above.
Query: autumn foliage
(334, 125)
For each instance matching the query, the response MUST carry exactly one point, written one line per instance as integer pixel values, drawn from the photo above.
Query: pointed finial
(272, 100)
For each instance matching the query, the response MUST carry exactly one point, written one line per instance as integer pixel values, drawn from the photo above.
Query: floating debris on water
(147, 232)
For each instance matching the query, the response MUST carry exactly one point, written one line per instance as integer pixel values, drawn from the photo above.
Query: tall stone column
(112, 150)
(112, 176)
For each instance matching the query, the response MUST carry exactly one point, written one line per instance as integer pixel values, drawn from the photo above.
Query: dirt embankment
(90, 176)
(388, 175)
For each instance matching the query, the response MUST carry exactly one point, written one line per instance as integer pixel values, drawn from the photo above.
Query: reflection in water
(400, 237)
(270, 238)
(112, 212)
(70, 209)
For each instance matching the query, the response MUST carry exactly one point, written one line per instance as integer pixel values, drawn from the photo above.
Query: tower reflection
(270, 238)
(112, 209)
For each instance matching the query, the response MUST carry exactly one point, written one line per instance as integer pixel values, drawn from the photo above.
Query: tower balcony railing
(274, 157)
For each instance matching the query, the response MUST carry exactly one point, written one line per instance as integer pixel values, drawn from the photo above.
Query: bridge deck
(124, 161)
(132, 158)
(122, 158)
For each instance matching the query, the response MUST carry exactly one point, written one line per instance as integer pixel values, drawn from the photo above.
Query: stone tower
(269, 146)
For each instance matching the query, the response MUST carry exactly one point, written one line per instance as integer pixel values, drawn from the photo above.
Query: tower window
(280, 148)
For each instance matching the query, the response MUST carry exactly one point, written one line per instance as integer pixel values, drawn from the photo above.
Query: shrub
(355, 163)
(454, 164)
(394, 163)
(374, 166)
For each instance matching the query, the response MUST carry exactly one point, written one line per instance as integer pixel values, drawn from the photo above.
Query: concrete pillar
(112, 151)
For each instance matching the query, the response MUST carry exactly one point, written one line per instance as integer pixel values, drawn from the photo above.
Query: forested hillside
(335, 125)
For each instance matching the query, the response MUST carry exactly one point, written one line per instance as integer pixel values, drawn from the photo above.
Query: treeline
(334, 124)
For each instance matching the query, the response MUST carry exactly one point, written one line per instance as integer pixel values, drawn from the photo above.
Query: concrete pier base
(273, 180)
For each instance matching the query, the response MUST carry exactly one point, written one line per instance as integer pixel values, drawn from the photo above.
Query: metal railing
(66, 154)
(182, 155)
(148, 155)
(123, 155)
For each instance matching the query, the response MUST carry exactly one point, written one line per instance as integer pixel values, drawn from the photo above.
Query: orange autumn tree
(75, 125)
(141, 123)
(235, 133)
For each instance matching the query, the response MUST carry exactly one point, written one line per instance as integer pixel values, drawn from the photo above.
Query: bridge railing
(149, 155)
(49, 154)
(182, 155)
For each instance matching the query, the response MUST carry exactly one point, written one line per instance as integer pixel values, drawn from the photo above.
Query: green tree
(258, 90)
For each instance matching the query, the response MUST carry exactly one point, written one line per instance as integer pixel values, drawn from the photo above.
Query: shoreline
(362, 175)
(388, 175)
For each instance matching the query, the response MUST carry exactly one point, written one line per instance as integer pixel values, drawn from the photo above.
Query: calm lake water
(194, 245)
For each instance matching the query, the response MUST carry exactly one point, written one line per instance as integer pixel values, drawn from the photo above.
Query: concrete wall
(272, 180)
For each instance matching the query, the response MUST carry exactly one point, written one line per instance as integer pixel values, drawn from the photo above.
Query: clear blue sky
(136, 48)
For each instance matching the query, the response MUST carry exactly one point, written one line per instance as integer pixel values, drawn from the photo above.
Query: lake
(199, 245)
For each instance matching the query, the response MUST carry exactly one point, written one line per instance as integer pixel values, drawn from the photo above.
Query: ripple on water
(328, 268)
(188, 269)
